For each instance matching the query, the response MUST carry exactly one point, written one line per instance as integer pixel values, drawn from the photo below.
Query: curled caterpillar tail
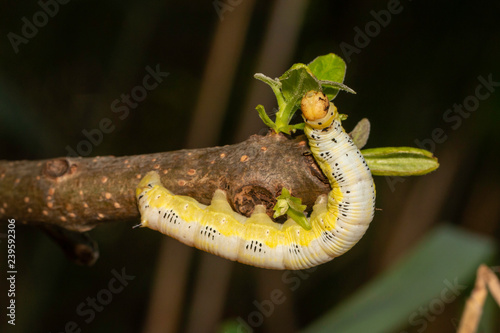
(337, 221)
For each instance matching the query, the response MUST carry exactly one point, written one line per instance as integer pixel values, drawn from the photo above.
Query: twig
(80, 193)
(485, 280)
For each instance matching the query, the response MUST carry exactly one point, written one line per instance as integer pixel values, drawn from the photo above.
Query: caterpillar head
(151, 179)
(317, 111)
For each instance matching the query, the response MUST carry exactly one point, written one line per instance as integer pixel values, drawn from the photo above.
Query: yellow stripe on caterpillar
(337, 221)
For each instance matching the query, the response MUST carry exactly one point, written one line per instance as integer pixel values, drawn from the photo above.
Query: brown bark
(80, 193)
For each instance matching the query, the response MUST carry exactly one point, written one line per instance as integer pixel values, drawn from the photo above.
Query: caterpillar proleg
(338, 220)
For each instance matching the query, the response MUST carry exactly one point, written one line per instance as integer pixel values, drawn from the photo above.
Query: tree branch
(79, 193)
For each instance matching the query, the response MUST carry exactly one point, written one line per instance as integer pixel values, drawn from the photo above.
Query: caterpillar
(338, 220)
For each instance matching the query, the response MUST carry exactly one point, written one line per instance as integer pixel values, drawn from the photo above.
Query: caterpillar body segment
(338, 220)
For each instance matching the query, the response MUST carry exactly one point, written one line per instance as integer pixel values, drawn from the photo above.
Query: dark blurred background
(416, 71)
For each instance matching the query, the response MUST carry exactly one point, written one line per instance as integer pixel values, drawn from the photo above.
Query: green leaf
(267, 79)
(295, 82)
(443, 262)
(329, 67)
(265, 118)
(275, 85)
(360, 133)
(300, 218)
(281, 204)
(400, 161)
(336, 85)
(296, 204)
(295, 127)
(293, 207)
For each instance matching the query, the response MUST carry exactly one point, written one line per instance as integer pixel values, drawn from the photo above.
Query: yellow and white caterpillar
(338, 220)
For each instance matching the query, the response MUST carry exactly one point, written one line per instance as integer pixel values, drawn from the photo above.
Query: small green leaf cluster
(325, 73)
(293, 207)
